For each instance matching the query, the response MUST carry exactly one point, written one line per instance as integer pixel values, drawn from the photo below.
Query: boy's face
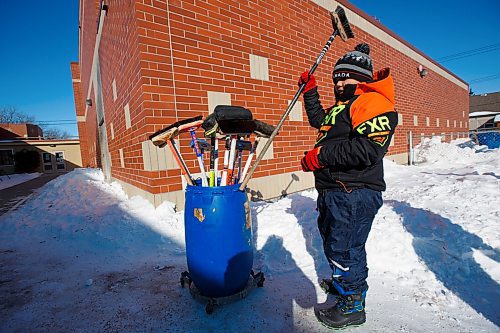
(340, 90)
(339, 85)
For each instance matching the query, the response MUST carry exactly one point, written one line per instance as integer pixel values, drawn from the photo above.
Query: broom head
(341, 24)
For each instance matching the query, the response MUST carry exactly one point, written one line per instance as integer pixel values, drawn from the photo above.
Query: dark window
(59, 157)
(47, 157)
(6, 157)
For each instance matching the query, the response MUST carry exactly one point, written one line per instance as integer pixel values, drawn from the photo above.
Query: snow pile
(461, 151)
(82, 249)
(7, 181)
(87, 215)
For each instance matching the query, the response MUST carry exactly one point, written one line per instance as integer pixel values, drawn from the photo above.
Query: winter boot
(349, 311)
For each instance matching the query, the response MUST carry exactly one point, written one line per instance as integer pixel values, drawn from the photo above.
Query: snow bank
(82, 249)
(85, 214)
(457, 152)
(16, 179)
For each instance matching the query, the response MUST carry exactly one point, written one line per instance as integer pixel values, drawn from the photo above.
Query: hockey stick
(341, 28)
(199, 156)
(241, 145)
(232, 121)
(202, 145)
(213, 152)
(216, 161)
(223, 180)
(232, 151)
(211, 128)
(262, 130)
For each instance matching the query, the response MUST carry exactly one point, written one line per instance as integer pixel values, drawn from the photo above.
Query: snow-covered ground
(15, 179)
(81, 256)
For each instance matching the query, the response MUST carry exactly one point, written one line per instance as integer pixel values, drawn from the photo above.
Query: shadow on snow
(446, 249)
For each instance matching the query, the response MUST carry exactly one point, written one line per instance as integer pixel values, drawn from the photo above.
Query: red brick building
(143, 64)
(16, 131)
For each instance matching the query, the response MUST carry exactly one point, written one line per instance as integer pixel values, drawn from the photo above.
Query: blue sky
(39, 39)
(441, 28)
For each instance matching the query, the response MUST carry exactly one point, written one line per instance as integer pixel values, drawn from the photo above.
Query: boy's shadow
(446, 249)
(288, 283)
(304, 209)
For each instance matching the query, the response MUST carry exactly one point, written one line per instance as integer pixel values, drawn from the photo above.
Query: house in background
(145, 64)
(12, 131)
(484, 111)
(54, 155)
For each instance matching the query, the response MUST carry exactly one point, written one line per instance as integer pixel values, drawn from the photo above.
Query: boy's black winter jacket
(354, 135)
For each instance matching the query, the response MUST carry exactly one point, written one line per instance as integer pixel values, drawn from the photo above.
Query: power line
(486, 78)
(49, 121)
(55, 122)
(469, 53)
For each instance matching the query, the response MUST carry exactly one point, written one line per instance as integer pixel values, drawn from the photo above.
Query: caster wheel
(185, 279)
(209, 309)
(260, 284)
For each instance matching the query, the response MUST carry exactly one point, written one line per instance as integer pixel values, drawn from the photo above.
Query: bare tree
(55, 133)
(9, 114)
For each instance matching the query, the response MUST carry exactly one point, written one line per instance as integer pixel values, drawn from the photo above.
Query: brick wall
(80, 114)
(433, 99)
(167, 60)
(13, 131)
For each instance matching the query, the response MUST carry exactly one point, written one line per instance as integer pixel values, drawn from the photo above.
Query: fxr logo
(330, 117)
(376, 124)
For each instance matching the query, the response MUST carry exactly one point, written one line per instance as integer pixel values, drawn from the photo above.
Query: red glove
(310, 161)
(309, 80)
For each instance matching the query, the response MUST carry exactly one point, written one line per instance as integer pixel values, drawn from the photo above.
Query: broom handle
(180, 161)
(287, 112)
(216, 161)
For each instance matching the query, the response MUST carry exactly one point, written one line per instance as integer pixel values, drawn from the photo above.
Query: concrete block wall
(162, 61)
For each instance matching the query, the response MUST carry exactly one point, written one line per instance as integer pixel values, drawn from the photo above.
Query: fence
(489, 138)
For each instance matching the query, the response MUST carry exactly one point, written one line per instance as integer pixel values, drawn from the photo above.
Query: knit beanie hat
(356, 65)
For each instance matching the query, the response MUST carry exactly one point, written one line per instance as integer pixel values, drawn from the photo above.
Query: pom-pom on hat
(356, 65)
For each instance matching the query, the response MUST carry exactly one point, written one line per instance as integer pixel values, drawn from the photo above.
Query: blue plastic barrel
(219, 240)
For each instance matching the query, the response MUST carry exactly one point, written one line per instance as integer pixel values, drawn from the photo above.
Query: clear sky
(39, 39)
(442, 28)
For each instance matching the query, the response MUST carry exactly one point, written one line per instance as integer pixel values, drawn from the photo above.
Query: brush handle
(180, 161)
(287, 112)
(216, 160)
(231, 161)
(223, 181)
(212, 161)
(240, 158)
(249, 159)
(200, 159)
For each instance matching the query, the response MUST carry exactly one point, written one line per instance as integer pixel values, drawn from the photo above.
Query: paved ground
(13, 197)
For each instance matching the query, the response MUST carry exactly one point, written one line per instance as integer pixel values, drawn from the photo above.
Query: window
(6, 157)
(47, 161)
(47, 158)
(60, 164)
